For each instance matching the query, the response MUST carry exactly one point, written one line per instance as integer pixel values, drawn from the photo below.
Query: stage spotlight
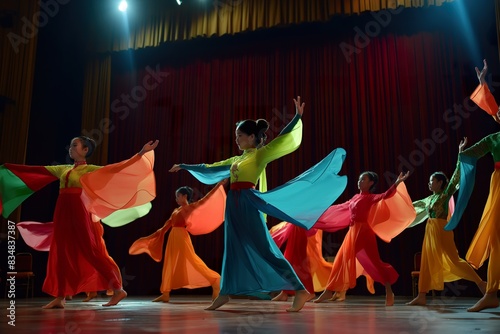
(123, 6)
(179, 2)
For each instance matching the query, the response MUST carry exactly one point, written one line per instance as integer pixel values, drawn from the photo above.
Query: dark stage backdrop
(395, 97)
(391, 88)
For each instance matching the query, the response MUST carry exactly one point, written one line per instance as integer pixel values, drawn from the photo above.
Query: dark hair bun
(262, 125)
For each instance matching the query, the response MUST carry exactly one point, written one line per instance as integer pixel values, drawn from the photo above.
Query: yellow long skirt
(182, 268)
(486, 241)
(440, 261)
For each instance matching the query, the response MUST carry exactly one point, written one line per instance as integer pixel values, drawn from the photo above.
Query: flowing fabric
(368, 215)
(296, 201)
(484, 99)
(36, 235)
(18, 182)
(359, 245)
(71, 267)
(486, 241)
(440, 261)
(110, 189)
(467, 181)
(304, 252)
(387, 218)
(260, 267)
(182, 268)
(253, 264)
(78, 260)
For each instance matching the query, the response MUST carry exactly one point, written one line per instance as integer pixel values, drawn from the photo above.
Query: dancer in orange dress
(366, 214)
(182, 268)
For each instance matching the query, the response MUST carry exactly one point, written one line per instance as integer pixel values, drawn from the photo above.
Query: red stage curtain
(393, 105)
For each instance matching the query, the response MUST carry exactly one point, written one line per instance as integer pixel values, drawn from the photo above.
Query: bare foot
(489, 300)
(117, 296)
(216, 289)
(338, 296)
(109, 292)
(90, 296)
(301, 297)
(369, 285)
(327, 294)
(311, 296)
(218, 302)
(282, 297)
(165, 297)
(59, 302)
(389, 295)
(420, 300)
(482, 287)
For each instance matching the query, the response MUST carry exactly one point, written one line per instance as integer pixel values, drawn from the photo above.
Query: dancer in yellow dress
(440, 261)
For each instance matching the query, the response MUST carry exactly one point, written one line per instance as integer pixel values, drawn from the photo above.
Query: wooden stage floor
(185, 314)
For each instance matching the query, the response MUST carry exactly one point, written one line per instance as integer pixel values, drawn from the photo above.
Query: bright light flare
(123, 6)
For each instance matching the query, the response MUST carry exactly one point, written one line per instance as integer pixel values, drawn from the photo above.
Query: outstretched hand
(402, 177)
(462, 144)
(149, 146)
(481, 75)
(175, 168)
(299, 108)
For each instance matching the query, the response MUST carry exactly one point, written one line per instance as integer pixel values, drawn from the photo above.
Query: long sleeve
(152, 244)
(207, 214)
(125, 185)
(286, 142)
(468, 159)
(18, 182)
(210, 173)
(484, 99)
(421, 211)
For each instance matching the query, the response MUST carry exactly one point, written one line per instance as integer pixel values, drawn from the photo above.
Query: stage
(186, 314)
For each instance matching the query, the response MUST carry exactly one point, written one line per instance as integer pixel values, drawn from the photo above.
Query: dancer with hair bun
(182, 268)
(252, 263)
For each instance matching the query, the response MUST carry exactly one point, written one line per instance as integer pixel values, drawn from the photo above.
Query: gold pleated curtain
(164, 21)
(96, 105)
(17, 66)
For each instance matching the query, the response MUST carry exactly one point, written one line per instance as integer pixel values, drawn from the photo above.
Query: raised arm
(149, 146)
(482, 95)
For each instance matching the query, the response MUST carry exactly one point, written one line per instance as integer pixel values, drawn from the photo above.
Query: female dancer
(486, 241)
(78, 260)
(252, 262)
(366, 217)
(182, 268)
(440, 262)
